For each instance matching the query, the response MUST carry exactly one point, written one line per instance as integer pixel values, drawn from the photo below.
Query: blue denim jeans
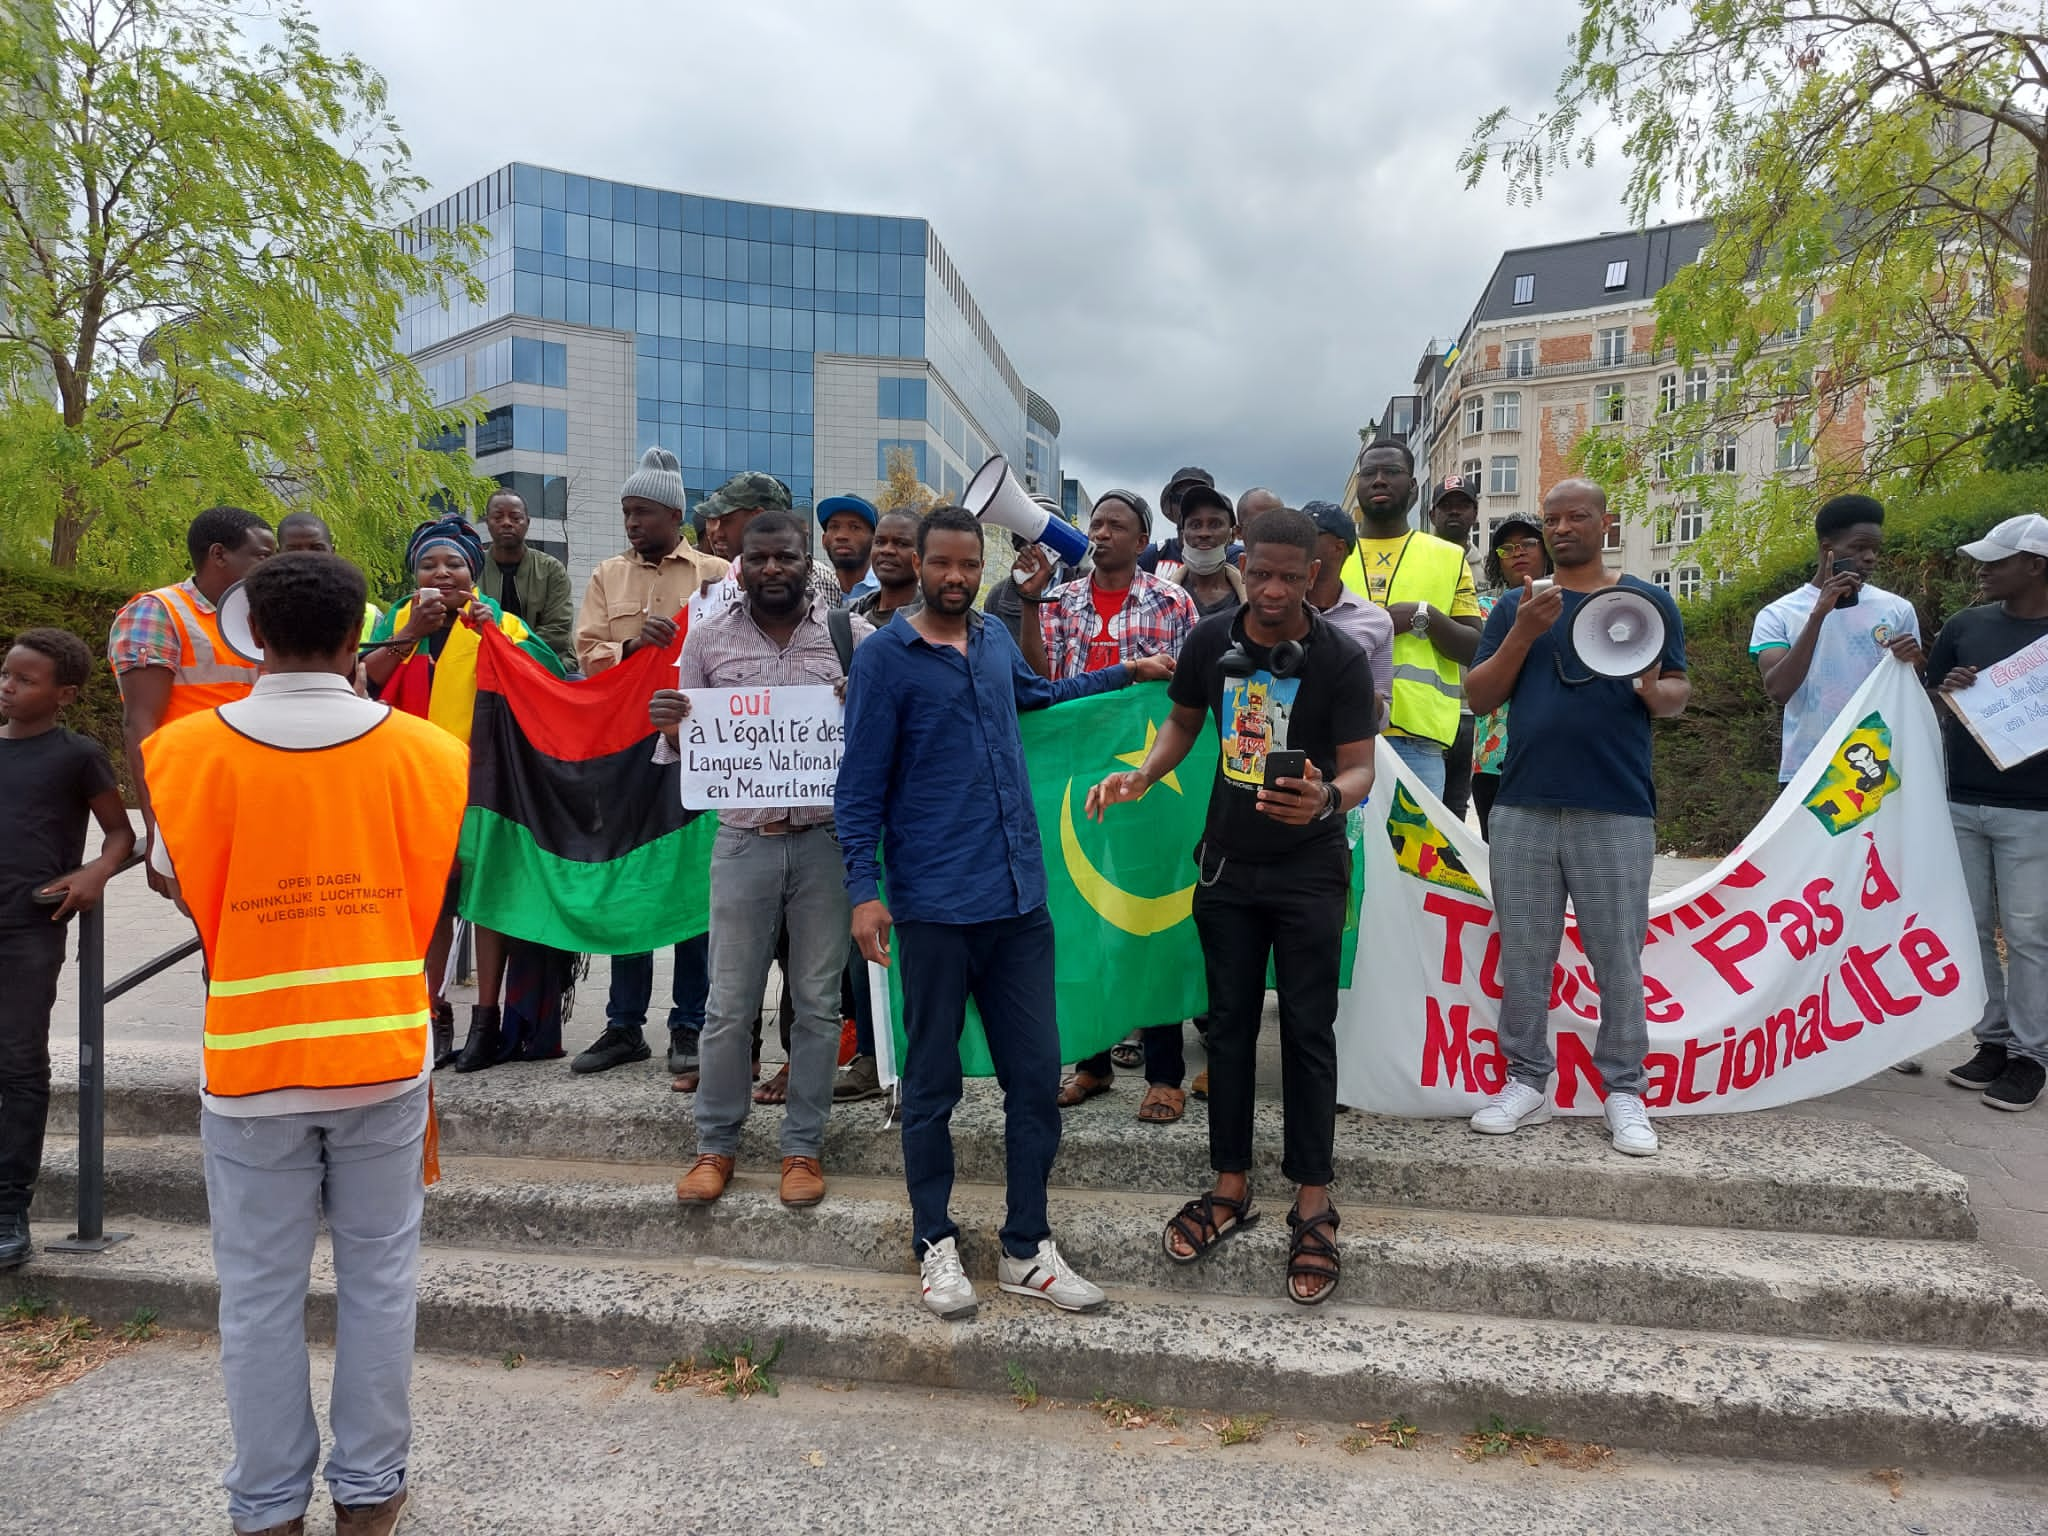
(633, 988)
(2005, 865)
(1425, 759)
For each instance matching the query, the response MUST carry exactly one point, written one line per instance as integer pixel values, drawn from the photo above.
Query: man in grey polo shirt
(773, 868)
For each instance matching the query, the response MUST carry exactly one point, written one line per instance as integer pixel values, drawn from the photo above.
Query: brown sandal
(1082, 1087)
(1204, 1222)
(1163, 1104)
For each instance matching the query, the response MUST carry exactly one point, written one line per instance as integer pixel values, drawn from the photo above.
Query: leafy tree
(200, 285)
(902, 491)
(1871, 169)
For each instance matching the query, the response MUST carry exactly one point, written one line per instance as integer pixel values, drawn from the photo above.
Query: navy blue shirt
(1575, 740)
(933, 776)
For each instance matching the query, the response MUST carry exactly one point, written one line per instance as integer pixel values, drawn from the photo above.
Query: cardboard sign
(2006, 709)
(761, 746)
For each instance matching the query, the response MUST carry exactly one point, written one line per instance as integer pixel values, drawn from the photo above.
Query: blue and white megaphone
(995, 496)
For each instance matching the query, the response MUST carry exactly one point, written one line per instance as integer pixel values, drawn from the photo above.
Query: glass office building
(739, 336)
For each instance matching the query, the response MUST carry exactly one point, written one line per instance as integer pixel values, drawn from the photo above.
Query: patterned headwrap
(447, 533)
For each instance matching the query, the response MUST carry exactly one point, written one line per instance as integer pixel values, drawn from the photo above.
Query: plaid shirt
(143, 634)
(1155, 618)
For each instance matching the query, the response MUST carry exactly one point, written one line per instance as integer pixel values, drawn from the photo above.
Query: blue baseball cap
(859, 506)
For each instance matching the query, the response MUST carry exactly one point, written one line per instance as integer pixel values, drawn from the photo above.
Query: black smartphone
(1843, 566)
(1285, 765)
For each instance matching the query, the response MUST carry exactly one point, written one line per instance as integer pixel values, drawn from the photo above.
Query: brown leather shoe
(705, 1181)
(289, 1528)
(803, 1181)
(369, 1519)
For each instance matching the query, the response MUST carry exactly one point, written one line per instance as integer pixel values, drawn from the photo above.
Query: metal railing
(94, 993)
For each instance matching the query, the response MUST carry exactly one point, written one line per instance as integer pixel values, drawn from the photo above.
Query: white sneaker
(1048, 1276)
(1512, 1108)
(1628, 1121)
(946, 1288)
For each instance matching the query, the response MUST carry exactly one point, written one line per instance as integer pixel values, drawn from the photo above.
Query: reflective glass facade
(729, 306)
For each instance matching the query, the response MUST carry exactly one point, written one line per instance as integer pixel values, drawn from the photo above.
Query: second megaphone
(1618, 632)
(234, 625)
(995, 496)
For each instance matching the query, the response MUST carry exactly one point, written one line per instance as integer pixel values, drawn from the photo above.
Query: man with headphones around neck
(1274, 877)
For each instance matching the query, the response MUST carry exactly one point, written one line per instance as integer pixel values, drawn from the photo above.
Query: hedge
(1717, 765)
(38, 597)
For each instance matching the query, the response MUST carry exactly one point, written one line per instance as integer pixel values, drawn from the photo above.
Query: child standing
(50, 778)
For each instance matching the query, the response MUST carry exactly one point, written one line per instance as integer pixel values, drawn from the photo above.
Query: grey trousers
(759, 885)
(1540, 856)
(2005, 864)
(269, 1180)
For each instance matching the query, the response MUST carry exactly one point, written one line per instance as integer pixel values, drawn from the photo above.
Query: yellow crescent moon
(1141, 915)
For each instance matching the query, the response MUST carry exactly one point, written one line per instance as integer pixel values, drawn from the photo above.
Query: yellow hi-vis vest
(314, 878)
(1428, 693)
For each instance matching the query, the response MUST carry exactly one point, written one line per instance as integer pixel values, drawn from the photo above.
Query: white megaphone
(233, 613)
(995, 496)
(1618, 632)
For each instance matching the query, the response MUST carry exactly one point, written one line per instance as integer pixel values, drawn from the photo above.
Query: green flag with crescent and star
(1120, 891)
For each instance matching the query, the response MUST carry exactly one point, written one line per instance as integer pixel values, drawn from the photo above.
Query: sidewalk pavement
(2004, 1156)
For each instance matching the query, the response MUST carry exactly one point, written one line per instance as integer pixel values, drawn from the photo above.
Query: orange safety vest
(209, 674)
(315, 916)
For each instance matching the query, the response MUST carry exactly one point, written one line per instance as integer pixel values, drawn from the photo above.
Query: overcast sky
(1212, 234)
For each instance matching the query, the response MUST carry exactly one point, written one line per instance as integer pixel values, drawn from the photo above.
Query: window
(1475, 414)
(1617, 276)
(1504, 476)
(1472, 469)
(1610, 403)
(1724, 454)
(1507, 411)
(453, 440)
(1696, 384)
(1520, 358)
(1802, 322)
(1794, 452)
(1667, 393)
(1663, 579)
(1692, 522)
(900, 399)
(1611, 345)
(529, 428)
(1667, 462)
(1525, 288)
(1689, 582)
(914, 446)
(446, 380)
(546, 496)
(540, 362)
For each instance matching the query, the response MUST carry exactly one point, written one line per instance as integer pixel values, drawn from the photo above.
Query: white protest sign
(1834, 942)
(761, 746)
(2006, 709)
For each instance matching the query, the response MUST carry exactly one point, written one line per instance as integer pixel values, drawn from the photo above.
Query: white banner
(1834, 942)
(761, 746)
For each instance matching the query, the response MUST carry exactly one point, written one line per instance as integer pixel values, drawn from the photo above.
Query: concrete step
(1819, 1401)
(1943, 1294)
(1763, 1173)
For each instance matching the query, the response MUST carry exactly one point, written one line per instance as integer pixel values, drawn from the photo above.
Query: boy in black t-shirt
(1275, 876)
(50, 779)
(2001, 817)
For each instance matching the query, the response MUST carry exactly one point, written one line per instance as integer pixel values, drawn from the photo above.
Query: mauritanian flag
(574, 838)
(1120, 891)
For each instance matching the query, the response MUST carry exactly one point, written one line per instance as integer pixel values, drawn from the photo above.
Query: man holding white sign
(2001, 815)
(769, 761)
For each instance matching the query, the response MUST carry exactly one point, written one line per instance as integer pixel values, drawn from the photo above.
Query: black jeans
(1458, 768)
(30, 959)
(1166, 1056)
(1484, 787)
(1006, 967)
(1294, 912)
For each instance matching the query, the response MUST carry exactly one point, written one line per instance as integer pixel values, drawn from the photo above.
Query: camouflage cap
(751, 488)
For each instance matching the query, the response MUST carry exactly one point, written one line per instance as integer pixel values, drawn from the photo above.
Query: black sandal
(1312, 1255)
(1127, 1054)
(1199, 1217)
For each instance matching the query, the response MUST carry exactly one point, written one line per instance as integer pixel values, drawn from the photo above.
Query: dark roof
(1572, 275)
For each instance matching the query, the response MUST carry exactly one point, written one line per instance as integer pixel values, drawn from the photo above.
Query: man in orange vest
(315, 1064)
(165, 646)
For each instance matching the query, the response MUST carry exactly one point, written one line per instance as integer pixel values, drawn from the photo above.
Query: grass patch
(1495, 1436)
(141, 1326)
(42, 1347)
(745, 1371)
(1023, 1390)
(25, 1308)
(1241, 1429)
(1398, 1432)
(1124, 1413)
(511, 1360)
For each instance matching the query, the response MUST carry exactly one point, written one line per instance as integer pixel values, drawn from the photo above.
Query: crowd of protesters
(1300, 634)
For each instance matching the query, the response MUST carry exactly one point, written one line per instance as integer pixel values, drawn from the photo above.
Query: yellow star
(1137, 759)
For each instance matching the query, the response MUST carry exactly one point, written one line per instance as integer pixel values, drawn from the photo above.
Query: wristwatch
(1419, 623)
(1333, 797)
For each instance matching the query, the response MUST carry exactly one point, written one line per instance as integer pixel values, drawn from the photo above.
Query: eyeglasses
(1517, 546)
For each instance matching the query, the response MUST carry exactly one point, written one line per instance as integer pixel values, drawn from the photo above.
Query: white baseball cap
(2026, 534)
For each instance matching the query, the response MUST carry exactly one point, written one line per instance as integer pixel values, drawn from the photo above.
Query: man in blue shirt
(933, 780)
(1575, 817)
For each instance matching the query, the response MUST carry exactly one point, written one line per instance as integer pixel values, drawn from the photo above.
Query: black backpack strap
(839, 624)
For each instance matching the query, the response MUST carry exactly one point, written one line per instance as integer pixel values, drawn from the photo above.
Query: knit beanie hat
(445, 533)
(659, 479)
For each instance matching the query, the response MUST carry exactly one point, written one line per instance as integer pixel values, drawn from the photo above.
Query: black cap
(1331, 519)
(1455, 485)
(1526, 521)
(1180, 479)
(1200, 494)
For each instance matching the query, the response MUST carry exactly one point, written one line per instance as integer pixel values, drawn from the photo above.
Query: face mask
(1203, 562)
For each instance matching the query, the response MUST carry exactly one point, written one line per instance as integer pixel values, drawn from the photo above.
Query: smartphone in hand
(1285, 765)
(1842, 566)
